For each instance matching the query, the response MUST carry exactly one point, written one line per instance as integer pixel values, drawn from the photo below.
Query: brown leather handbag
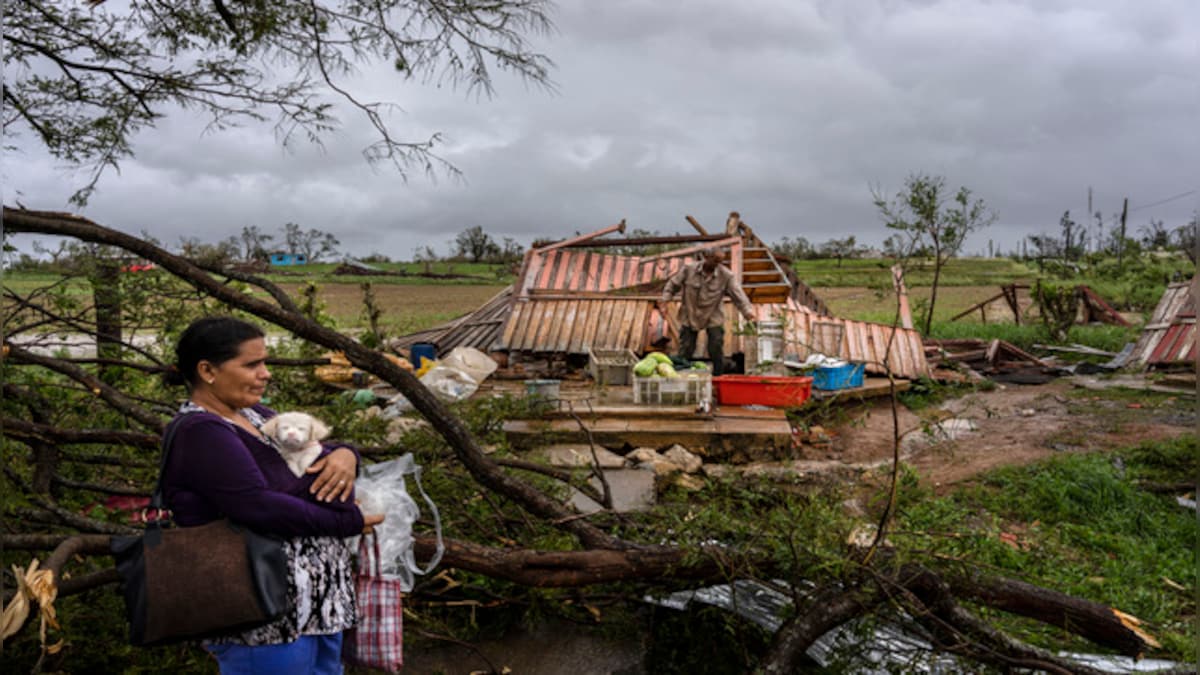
(183, 583)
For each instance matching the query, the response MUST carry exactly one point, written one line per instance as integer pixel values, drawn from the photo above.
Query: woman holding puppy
(221, 465)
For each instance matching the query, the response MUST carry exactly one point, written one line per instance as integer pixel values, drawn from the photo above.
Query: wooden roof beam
(696, 224)
(619, 227)
(641, 241)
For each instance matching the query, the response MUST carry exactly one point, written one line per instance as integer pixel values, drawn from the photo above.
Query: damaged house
(583, 294)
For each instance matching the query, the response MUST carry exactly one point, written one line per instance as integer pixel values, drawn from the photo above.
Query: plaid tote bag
(378, 639)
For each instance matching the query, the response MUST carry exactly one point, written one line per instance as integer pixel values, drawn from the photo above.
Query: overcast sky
(788, 111)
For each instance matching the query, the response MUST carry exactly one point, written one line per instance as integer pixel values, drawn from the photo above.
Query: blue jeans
(313, 654)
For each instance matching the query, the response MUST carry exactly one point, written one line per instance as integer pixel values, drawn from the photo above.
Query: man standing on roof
(704, 287)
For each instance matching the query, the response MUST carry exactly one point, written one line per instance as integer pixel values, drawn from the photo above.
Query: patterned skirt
(321, 591)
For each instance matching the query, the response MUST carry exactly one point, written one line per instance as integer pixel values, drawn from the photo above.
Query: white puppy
(298, 438)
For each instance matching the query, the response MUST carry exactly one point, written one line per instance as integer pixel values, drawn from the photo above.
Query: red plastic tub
(776, 392)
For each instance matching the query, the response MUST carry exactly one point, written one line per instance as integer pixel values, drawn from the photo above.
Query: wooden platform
(724, 430)
(613, 420)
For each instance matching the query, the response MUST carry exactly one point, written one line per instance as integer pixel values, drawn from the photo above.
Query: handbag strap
(156, 498)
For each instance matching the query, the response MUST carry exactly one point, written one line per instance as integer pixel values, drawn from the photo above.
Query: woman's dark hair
(215, 339)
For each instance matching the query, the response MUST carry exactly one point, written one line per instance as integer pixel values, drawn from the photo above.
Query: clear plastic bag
(471, 361)
(381, 488)
(446, 382)
(449, 384)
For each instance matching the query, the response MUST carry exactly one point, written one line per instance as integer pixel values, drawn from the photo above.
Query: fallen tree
(601, 551)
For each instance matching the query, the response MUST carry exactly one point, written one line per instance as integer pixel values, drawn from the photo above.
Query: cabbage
(645, 367)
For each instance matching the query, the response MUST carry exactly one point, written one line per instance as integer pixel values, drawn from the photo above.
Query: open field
(405, 308)
(416, 307)
(409, 307)
(876, 272)
(399, 273)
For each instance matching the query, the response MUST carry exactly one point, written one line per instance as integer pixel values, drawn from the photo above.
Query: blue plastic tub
(426, 349)
(832, 378)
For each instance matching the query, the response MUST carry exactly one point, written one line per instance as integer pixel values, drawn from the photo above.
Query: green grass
(1107, 338)
(875, 272)
(23, 283)
(1084, 527)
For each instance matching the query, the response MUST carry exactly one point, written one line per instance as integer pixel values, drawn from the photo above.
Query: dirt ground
(1013, 424)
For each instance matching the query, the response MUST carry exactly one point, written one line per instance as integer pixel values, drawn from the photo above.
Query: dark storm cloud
(788, 112)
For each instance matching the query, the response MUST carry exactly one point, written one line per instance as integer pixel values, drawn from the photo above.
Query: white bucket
(770, 341)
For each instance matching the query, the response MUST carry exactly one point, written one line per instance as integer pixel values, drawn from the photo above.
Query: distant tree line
(256, 245)
(1076, 243)
(475, 245)
(799, 248)
(252, 245)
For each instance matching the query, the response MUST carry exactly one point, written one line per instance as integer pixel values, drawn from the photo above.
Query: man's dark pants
(716, 345)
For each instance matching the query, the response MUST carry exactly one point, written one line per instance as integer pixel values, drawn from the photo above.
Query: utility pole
(1121, 244)
(1089, 217)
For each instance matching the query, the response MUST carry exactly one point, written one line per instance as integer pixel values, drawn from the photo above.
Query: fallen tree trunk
(1099, 623)
(961, 632)
(460, 440)
(826, 608)
(829, 608)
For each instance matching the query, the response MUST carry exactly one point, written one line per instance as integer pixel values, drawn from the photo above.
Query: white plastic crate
(689, 388)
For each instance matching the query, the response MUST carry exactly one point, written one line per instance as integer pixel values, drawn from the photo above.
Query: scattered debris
(1089, 308)
(945, 430)
(998, 360)
(889, 647)
(1075, 349)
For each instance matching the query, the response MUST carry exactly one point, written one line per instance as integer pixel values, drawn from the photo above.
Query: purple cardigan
(217, 469)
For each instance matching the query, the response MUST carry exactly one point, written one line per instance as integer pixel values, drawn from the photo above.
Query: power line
(1164, 201)
(1115, 217)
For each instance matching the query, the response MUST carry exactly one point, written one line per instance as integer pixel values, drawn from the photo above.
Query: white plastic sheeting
(884, 650)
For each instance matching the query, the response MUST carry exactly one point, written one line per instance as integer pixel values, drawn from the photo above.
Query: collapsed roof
(575, 295)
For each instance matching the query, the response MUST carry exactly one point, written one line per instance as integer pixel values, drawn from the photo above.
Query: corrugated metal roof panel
(1178, 344)
(479, 329)
(575, 325)
(1171, 326)
(567, 269)
(580, 270)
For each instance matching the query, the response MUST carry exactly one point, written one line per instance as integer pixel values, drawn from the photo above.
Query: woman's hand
(336, 475)
(370, 520)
